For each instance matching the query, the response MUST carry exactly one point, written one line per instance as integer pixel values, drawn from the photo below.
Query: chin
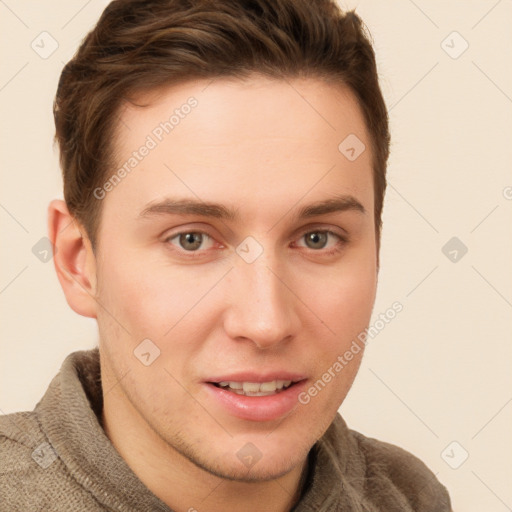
(252, 459)
(262, 471)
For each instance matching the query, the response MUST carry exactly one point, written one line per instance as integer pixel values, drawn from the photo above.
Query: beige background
(438, 373)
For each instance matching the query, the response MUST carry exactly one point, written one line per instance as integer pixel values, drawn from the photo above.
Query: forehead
(229, 141)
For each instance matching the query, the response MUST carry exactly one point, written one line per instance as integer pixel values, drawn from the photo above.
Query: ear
(73, 258)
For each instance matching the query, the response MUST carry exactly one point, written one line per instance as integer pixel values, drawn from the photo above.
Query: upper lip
(250, 376)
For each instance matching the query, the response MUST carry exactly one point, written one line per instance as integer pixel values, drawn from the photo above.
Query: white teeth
(251, 386)
(268, 386)
(256, 388)
(232, 385)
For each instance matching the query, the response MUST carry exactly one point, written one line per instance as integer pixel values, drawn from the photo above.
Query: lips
(256, 397)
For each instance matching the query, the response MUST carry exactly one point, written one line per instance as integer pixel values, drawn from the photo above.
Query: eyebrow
(170, 206)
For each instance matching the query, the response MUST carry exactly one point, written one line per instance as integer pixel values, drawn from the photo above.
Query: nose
(263, 309)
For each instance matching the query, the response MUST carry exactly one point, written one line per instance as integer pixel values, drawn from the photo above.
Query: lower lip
(257, 408)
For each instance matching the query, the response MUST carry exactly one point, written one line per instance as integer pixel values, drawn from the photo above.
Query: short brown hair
(138, 45)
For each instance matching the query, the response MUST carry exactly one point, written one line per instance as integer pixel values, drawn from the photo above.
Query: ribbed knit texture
(58, 458)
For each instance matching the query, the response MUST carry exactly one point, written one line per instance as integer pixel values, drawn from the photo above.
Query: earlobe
(73, 259)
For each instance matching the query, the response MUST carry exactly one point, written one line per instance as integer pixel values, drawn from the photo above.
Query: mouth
(255, 397)
(269, 388)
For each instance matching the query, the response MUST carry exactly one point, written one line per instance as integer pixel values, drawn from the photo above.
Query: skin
(265, 148)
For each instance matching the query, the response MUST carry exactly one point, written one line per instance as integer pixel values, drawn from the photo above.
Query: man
(224, 173)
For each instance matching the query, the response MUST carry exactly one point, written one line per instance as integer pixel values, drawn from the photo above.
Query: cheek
(153, 298)
(356, 296)
(345, 301)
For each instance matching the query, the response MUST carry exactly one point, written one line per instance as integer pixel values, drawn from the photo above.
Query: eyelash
(198, 253)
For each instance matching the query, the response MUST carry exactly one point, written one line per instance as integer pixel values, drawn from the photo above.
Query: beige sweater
(58, 458)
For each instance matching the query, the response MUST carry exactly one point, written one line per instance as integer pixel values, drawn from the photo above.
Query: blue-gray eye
(190, 241)
(316, 239)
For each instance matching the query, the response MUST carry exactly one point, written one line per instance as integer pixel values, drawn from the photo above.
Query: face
(241, 247)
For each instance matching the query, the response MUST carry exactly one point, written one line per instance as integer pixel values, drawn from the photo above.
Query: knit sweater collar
(70, 415)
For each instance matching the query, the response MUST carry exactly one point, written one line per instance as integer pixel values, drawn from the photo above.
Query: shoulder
(20, 435)
(24, 453)
(388, 465)
(32, 476)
